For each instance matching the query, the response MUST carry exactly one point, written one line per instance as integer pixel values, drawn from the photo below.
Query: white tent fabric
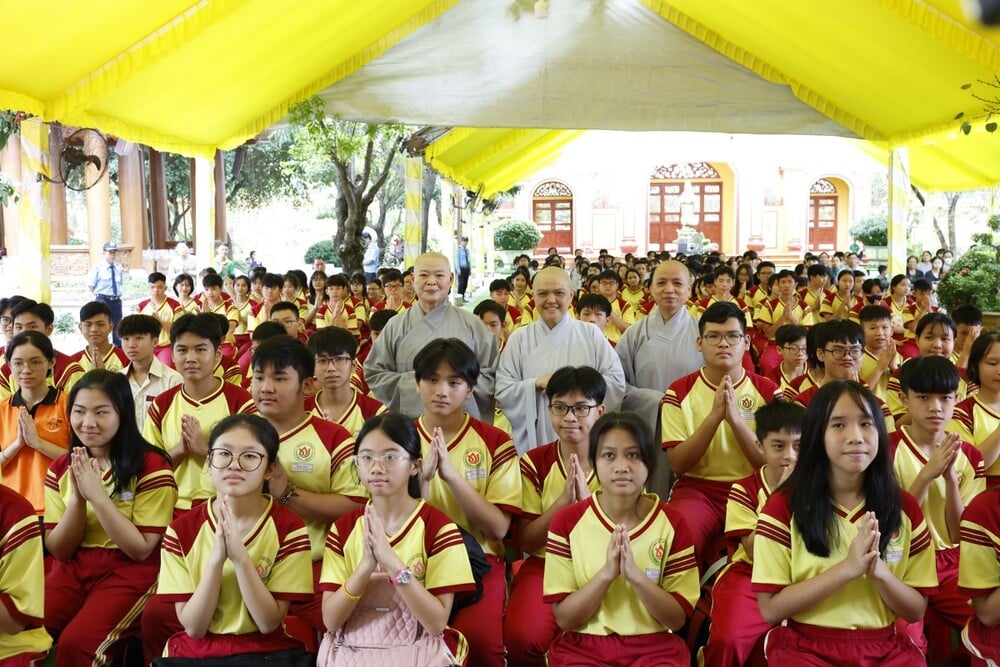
(591, 64)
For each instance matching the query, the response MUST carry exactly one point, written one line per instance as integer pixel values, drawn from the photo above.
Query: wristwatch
(402, 577)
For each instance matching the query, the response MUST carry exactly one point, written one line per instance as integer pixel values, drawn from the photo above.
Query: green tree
(362, 156)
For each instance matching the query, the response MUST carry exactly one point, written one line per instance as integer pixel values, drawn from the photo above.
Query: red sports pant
(182, 645)
(703, 504)
(93, 602)
(737, 625)
(482, 622)
(160, 623)
(813, 646)
(529, 626)
(948, 602)
(983, 643)
(660, 649)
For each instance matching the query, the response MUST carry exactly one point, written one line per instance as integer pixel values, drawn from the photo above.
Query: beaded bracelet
(289, 493)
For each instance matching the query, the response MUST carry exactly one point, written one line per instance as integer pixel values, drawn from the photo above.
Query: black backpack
(480, 568)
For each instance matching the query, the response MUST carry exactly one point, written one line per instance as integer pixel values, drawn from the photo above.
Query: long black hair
(809, 484)
(127, 449)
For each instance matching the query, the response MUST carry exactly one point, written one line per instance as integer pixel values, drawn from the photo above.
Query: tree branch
(380, 181)
(366, 174)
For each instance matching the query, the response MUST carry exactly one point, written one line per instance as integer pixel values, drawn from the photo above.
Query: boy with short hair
(596, 309)
(339, 398)
(212, 301)
(785, 308)
(923, 292)
(316, 479)
(816, 292)
(147, 376)
(228, 369)
(181, 418)
(260, 311)
(470, 472)
(95, 325)
(263, 331)
(494, 316)
(553, 476)
(880, 359)
(164, 309)
(943, 473)
(707, 424)
(791, 341)
(737, 624)
(500, 294)
(622, 314)
(286, 314)
(968, 325)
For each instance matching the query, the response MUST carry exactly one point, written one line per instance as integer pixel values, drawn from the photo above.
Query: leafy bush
(325, 251)
(64, 324)
(872, 230)
(516, 235)
(974, 277)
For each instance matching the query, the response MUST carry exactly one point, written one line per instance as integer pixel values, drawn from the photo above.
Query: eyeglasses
(339, 360)
(795, 349)
(714, 338)
(842, 353)
(579, 410)
(33, 364)
(221, 458)
(6, 320)
(387, 460)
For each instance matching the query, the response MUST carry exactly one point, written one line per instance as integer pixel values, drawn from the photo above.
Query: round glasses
(220, 459)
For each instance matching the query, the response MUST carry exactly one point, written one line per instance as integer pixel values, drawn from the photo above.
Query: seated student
(469, 472)
(636, 294)
(921, 304)
(107, 504)
(261, 333)
(147, 376)
(620, 604)
(785, 308)
(227, 369)
(28, 315)
(968, 325)
(34, 421)
(596, 309)
(935, 337)
(213, 301)
(232, 567)
(871, 295)
(898, 300)
(839, 348)
(837, 303)
(95, 325)
(707, 424)
(23, 639)
(270, 288)
(376, 323)
(181, 418)
(791, 340)
(494, 316)
(338, 399)
(6, 321)
(243, 303)
(500, 294)
(286, 314)
(814, 370)
(943, 473)
(374, 292)
(979, 576)
(880, 359)
(977, 418)
(816, 292)
(622, 314)
(840, 551)
(164, 309)
(393, 284)
(553, 476)
(761, 291)
(737, 627)
(397, 538)
(292, 287)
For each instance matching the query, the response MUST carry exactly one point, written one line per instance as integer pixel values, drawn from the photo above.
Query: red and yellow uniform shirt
(147, 502)
(543, 480)
(25, 472)
(577, 550)
(485, 456)
(278, 546)
(979, 562)
(869, 362)
(974, 421)
(687, 404)
(114, 360)
(166, 313)
(22, 576)
(163, 429)
(909, 459)
(781, 559)
(746, 499)
(773, 310)
(361, 409)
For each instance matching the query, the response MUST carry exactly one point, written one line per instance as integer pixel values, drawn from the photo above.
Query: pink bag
(383, 632)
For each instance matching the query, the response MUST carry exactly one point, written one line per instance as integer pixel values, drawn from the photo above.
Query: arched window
(823, 200)
(552, 211)
(666, 192)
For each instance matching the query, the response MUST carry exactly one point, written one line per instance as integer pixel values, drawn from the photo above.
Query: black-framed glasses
(339, 360)
(579, 410)
(6, 320)
(795, 349)
(247, 461)
(714, 338)
(841, 353)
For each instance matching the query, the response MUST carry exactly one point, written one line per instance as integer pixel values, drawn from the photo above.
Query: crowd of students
(227, 469)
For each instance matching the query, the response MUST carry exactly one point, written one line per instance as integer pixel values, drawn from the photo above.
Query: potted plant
(514, 237)
(974, 278)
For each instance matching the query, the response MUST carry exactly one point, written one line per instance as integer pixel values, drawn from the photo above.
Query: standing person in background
(463, 264)
(183, 262)
(369, 263)
(105, 282)
(223, 264)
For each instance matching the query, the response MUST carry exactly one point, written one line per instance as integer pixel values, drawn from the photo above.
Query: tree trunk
(952, 207)
(426, 196)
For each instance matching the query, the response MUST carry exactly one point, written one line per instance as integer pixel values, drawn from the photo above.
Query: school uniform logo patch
(417, 566)
(473, 465)
(304, 453)
(263, 568)
(52, 424)
(657, 550)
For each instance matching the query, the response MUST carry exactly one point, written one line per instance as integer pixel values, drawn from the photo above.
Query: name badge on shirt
(653, 573)
(302, 467)
(126, 496)
(893, 556)
(475, 473)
